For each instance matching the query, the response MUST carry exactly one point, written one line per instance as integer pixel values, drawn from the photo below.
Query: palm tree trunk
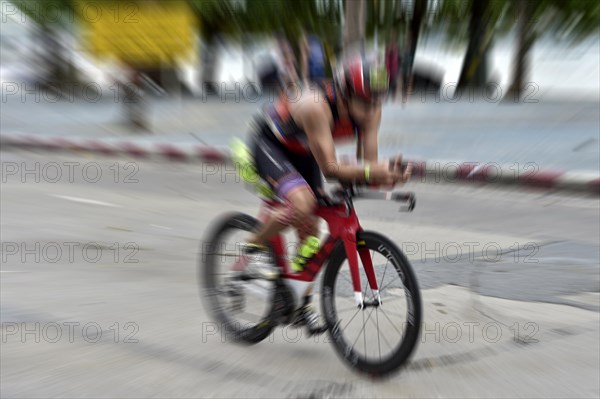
(420, 9)
(474, 71)
(525, 43)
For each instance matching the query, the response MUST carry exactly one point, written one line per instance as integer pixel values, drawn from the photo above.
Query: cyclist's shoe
(260, 262)
(306, 317)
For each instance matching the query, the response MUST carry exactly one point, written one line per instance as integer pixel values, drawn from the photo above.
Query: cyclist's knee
(303, 202)
(300, 206)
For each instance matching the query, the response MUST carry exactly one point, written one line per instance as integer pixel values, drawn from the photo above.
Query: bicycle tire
(208, 268)
(379, 243)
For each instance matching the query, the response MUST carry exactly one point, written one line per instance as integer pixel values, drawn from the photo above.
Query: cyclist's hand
(405, 174)
(384, 173)
(389, 173)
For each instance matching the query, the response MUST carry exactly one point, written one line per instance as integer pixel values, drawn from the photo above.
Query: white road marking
(161, 227)
(85, 201)
(13, 271)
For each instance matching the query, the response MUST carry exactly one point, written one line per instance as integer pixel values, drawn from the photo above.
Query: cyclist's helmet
(362, 78)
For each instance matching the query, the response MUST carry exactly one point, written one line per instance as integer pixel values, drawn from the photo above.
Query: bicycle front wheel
(375, 340)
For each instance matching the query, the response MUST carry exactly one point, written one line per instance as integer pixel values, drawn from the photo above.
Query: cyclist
(312, 57)
(293, 145)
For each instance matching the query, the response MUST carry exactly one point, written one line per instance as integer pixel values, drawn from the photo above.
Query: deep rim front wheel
(378, 339)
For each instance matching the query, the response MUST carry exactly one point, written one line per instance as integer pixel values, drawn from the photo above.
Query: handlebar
(347, 192)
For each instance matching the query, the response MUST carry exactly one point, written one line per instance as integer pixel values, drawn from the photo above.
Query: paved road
(131, 322)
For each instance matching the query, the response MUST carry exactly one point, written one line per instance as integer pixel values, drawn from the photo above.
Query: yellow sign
(145, 33)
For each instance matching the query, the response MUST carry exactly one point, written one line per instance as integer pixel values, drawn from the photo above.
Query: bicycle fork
(353, 251)
(348, 231)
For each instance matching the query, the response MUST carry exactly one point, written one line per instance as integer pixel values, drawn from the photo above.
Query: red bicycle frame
(343, 225)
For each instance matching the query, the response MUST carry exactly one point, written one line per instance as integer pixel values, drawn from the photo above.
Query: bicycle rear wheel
(241, 308)
(375, 340)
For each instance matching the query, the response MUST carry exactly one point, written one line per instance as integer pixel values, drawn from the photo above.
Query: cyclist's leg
(273, 165)
(309, 169)
(287, 174)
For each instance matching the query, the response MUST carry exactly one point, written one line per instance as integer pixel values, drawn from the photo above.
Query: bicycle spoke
(378, 341)
(382, 335)
(393, 313)
(364, 335)
(391, 322)
(390, 283)
(387, 342)
(346, 309)
(351, 319)
(352, 300)
(383, 277)
(363, 328)
(384, 338)
(365, 292)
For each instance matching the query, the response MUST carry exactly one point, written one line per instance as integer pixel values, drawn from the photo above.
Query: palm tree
(483, 20)
(418, 15)
(526, 36)
(573, 20)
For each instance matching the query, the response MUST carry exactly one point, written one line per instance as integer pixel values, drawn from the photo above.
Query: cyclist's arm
(316, 120)
(366, 148)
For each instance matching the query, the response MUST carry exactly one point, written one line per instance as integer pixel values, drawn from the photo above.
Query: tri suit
(280, 148)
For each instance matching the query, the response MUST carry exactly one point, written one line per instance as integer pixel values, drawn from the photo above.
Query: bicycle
(347, 241)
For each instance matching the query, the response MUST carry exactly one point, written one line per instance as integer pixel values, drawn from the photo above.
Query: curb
(145, 150)
(495, 174)
(423, 171)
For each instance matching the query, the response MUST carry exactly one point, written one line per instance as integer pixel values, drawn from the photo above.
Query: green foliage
(47, 12)
(289, 17)
(217, 17)
(575, 20)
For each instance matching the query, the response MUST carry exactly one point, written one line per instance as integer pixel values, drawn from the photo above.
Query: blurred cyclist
(312, 58)
(293, 145)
